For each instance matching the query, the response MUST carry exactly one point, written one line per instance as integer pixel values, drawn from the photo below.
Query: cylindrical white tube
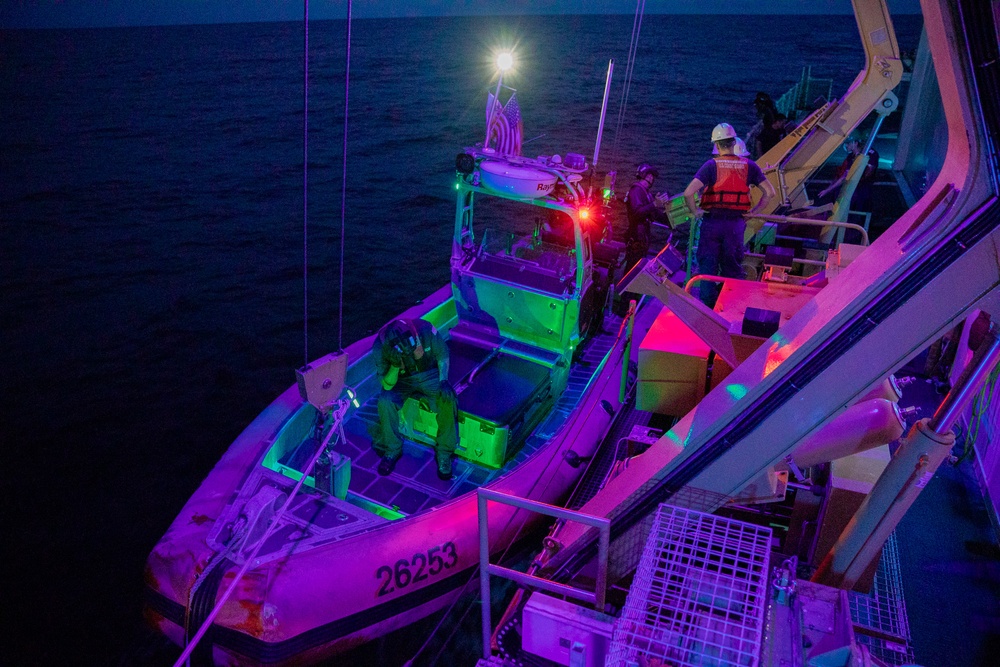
(862, 426)
(909, 471)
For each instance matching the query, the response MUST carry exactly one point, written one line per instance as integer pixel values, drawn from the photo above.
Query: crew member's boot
(444, 467)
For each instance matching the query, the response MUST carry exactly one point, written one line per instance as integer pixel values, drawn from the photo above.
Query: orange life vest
(730, 189)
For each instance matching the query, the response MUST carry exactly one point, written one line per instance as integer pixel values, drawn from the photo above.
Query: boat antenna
(343, 185)
(640, 9)
(604, 110)
(305, 182)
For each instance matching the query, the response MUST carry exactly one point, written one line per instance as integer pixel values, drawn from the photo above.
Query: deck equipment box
(501, 395)
(673, 363)
(551, 628)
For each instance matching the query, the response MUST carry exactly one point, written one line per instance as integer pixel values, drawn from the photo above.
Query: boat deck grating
(414, 485)
(880, 616)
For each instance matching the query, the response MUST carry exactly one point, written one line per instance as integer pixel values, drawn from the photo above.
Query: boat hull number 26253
(421, 566)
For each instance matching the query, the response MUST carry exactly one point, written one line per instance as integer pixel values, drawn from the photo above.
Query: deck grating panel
(883, 611)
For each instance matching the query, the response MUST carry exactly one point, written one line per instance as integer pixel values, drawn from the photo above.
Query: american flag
(506, 128)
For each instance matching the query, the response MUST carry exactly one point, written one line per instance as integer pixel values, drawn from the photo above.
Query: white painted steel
(699, 594)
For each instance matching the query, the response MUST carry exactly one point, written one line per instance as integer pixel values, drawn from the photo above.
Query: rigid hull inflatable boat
(352, 555)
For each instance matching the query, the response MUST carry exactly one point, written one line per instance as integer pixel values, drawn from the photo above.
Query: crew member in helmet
(724, 183)
(411, 359)
(642, 210)
(739, 149)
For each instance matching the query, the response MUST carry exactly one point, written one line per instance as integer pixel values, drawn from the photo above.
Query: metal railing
(787, 219)
(486, 569)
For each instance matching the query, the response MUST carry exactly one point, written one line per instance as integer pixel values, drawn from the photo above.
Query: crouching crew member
(411, 359)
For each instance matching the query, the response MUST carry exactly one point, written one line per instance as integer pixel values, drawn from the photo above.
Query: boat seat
(497, 389)
(610, 253)
(498, 392)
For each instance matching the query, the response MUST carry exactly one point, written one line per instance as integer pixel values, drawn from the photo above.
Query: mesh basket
(699, 594)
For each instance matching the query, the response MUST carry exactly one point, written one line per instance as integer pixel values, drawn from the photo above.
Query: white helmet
(739, 149)
(723, 131)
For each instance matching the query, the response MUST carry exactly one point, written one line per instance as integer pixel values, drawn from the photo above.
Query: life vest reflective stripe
(730, 189)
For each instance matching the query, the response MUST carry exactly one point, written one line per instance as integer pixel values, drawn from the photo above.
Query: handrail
(701, 277)
(787, 219)
(486, 568)
(795, 260)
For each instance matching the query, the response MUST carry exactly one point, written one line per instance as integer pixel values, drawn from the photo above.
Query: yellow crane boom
(794, 159)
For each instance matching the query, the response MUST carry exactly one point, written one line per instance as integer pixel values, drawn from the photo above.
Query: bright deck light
(505, 61)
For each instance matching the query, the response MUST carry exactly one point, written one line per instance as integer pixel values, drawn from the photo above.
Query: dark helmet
(401, 336)
(645, 168)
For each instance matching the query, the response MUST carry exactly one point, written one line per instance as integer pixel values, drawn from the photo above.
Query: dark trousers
(387, 439)
(720, 250)
(636, 245)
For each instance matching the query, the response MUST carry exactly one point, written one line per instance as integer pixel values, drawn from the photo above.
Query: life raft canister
(730, 189)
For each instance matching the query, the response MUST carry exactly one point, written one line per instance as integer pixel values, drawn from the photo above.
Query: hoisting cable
(305, 184)
(336, 428)
(629, 69)
(640, 9)
(339, 409)
(343, 186)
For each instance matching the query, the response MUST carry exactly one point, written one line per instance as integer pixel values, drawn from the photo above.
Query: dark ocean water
(151, 241)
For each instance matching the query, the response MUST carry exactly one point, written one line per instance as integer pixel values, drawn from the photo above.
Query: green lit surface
(374, 508)
(291, 436)
(737, 391)
(294, 431)
(443, 315)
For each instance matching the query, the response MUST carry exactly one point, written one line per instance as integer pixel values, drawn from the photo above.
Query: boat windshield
(532, 234)
(529, 249)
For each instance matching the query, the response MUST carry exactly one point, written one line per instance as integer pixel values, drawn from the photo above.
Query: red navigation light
(584, 213)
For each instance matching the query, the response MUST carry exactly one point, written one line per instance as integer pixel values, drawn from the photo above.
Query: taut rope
(640, 8)
(343, 186)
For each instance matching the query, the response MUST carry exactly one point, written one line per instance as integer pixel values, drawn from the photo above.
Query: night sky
(107, 13)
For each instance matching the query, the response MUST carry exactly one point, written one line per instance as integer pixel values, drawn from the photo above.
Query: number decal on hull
(386, 587)
(420, 575)
(399, 575)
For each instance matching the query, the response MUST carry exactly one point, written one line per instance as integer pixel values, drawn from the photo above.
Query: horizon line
(56, 25)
